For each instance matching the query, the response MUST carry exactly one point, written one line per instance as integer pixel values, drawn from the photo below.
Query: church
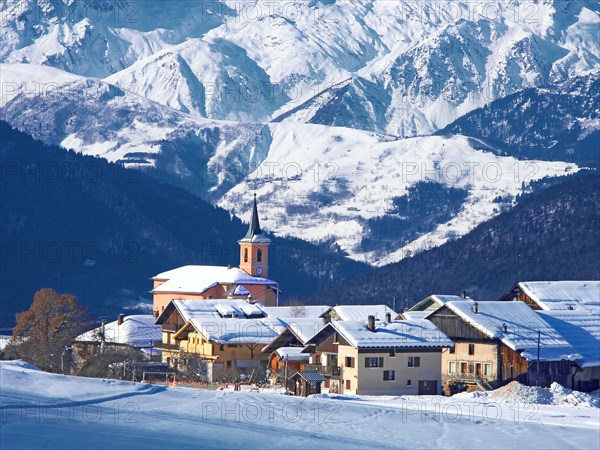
(219, 282)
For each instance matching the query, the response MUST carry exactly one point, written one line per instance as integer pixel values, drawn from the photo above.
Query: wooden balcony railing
(330, 371)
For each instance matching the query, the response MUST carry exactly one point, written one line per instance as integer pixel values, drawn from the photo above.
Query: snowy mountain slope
(318, 184)
(38, 407)
(94, 38)
(304, 173)
(461, 65)
(63, 109)
(208, 78)
(555, 122)
(415, 66)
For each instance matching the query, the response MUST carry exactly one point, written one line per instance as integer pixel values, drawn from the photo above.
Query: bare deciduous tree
(42, 333)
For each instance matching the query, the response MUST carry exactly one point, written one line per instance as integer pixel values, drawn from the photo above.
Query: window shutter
(352, 362)
(380, 362)
(367, 363)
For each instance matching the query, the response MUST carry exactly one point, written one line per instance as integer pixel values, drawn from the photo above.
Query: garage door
(428, 387)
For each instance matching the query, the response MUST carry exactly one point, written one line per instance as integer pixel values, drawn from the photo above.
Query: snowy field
(41, 410)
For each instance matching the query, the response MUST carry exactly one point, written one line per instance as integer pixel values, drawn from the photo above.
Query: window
(259, 255)
(326, 383)
(414, 361)
(349, 361)
(487, 369)
(409, 382)
(221, 347)
(389, 375)
(246, 254)
(471, 349)
(451, 367)
(392, 353)
(336, 338)
(348, 384)
(229, 364)
(464, 368)
(452, 350)
(373, 362)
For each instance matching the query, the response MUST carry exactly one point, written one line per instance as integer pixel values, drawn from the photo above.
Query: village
(224, 327)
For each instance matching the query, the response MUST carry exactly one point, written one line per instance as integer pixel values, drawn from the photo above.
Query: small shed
(307, 383)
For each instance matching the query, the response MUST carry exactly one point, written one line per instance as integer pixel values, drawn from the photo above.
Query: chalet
(180, 313)
(557, 295)
(286, 356)
(227, 346)
(208, 282)
(497, 342)
(136, 332)
(581, 330)
(357, 312)
(380, 357)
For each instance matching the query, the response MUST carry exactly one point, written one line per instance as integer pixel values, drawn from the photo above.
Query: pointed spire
(254, 228)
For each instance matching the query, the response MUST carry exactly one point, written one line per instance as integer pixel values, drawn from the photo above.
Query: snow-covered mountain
(308, 175)
(414, 66)
(309, 103)
(556, 122)
(97, 118)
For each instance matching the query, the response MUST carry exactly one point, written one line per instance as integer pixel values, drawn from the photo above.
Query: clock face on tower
(259, 271)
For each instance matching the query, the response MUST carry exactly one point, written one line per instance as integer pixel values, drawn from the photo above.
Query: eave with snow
(557, 295)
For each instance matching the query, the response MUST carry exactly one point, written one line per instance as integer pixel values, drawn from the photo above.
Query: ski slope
(41, 410)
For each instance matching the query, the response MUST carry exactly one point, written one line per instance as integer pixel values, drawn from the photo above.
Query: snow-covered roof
(415, 315)
(563, 295)
(136, 330)
(581, 330)
(292, 353)
(218, 308)
(197, 279)
(362, 312)
(312, 311)
(237, 331)
(304, 328)
(403, 333)
(522, 323)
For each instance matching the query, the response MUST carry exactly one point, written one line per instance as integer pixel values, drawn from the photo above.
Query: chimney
(475, 307)
(120, 319)
(388, 317)
(464, 294)
(371, 323)
(504, 328)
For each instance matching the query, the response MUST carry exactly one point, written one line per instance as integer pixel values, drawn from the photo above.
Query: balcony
(328, 371)
(163, 346)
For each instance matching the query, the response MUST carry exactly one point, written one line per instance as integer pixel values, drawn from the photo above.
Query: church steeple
(254, 247)
(254, 228)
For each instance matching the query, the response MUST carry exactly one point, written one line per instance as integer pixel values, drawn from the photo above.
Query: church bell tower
(254, 248)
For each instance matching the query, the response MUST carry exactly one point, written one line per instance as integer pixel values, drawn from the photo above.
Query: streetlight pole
(538, 359)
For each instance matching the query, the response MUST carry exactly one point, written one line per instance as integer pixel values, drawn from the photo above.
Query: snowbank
(516, 392)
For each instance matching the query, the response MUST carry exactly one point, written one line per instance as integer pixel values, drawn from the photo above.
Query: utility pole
(285, 374)
(538, 359)
(102, 336)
